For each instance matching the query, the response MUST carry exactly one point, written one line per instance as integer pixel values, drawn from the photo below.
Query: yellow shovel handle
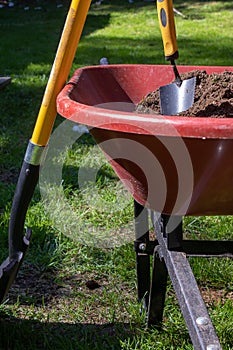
(168, 30)
(61, 68)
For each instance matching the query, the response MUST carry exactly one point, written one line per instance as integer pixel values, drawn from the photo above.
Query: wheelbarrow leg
(142, 258)
(151, 289)
(158, 290)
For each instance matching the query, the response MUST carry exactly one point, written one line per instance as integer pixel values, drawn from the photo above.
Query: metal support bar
(217, 249)
(205, 249)
(200, 327)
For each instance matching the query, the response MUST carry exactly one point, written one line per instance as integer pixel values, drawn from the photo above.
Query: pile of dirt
(213, 96)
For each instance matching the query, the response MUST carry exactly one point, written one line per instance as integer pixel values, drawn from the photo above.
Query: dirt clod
(92, 284)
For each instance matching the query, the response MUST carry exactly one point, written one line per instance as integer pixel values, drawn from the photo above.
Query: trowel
(179, 95)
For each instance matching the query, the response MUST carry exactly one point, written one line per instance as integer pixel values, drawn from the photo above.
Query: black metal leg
(143, 278)
(172, 230)
(151, 289)
(158, 290)
(142, 258)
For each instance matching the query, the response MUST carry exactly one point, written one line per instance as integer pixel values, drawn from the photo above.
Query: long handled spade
(29, 174)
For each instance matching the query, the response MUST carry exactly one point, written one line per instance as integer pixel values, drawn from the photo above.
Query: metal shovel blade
(175, 99)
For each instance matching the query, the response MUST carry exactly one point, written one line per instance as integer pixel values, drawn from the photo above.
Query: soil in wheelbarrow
(213, 96)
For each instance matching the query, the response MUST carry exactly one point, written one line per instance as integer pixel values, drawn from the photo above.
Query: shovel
(36, 150)
(179, 95)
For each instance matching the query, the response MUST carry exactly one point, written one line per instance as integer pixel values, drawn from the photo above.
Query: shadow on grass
(37, 295)
(26, 41)
(32, 37)
(16, 334)
(145, 3)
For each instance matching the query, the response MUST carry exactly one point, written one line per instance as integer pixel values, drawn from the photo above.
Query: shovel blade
(175, 99)
(8, 272)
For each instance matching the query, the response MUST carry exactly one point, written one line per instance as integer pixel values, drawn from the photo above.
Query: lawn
(51, 304)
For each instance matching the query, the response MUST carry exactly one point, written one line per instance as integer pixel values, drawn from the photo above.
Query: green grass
(50, 306)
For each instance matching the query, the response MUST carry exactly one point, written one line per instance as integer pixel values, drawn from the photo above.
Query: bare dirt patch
(213, 296)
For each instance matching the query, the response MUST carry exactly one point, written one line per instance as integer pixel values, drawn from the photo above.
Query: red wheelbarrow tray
(171, 164)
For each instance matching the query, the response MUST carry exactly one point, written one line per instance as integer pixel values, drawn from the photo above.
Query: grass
(50, 305)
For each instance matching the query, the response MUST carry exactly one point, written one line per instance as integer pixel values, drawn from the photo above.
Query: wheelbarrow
(199, 195)
(171, 165)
